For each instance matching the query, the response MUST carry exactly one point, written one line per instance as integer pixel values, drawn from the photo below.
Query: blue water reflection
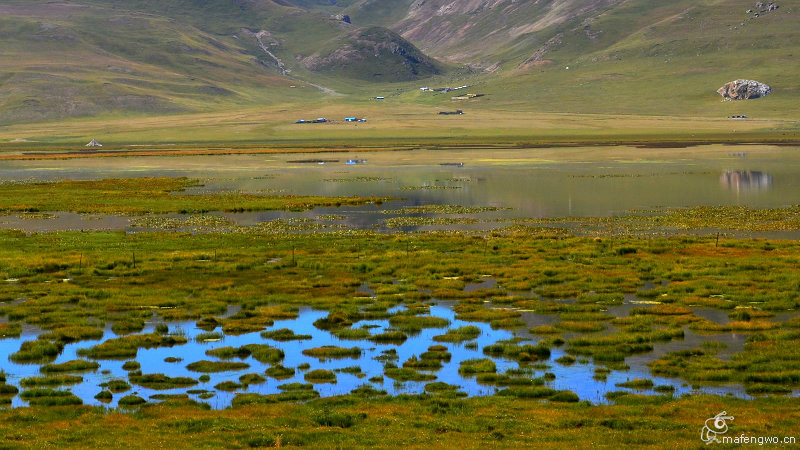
(577, 377)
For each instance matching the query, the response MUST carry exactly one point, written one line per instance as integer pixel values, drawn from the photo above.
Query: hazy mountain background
(119, 58)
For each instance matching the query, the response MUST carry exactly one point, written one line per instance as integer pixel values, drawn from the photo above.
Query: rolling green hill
(374, 54)
(636, 58)
(115, 59)
(72, 60)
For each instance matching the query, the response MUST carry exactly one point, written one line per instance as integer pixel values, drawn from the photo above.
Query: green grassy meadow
(138, 196)
(389, 126)
(150, 73)
(428, 420)
(195, 277)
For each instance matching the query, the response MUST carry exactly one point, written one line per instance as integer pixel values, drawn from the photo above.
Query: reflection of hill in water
(746, 180)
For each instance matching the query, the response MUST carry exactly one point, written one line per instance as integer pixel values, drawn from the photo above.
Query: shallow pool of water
(576, 377)
(523, 183)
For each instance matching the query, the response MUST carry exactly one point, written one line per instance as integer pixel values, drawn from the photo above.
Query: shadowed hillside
(375, 54)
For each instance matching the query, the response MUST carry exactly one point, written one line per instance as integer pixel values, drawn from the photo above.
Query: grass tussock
(332, 352)
(217, 366)
(461, 334)
(54, 380)
(284, 334)
(320, 376)
(128, 346)
(160, 381)
(76, 365)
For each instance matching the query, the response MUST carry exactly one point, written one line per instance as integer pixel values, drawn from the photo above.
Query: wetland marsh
(233, 288)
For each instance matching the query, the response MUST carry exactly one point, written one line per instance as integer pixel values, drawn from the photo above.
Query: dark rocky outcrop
(374, 53)
(744, 90)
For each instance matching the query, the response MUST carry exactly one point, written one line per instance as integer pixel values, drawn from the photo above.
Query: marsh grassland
(557, 234)
(529, 334)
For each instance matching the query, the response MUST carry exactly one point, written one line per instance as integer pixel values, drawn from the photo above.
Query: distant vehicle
(379, 98)
(352, 162)
(301, 121)
(351, 119)
(320, 120)
(740, 116)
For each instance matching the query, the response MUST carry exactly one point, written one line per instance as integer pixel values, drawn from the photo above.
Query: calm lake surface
(551, 182)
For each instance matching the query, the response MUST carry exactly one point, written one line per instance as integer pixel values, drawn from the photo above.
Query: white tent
(94, 143)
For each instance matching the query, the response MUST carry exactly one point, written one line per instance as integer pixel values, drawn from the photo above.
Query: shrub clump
(76, 365)
(460, 334)
(637, 383)
(284, 334)
(406, 374)
(55, 380)
(160, 381)
(279, 372)
(37, 352)
(104, 396)
(131, 400)
(128, 346)
(320, 376)
(332, 351)
(216, 366)
(116, 386)
(49, 397)
(328, 418)
(476, 366)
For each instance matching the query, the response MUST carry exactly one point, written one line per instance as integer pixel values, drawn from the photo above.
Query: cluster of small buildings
(324, 120)
(444, 89)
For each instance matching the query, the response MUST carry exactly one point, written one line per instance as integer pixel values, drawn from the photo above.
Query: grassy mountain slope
(100, 57)
(118, 58)
(299, 29)
(478, 30)
(74, 60)
(665, 60)
(611, 56)
(629, 57)
(385, 13)
(325, 5)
